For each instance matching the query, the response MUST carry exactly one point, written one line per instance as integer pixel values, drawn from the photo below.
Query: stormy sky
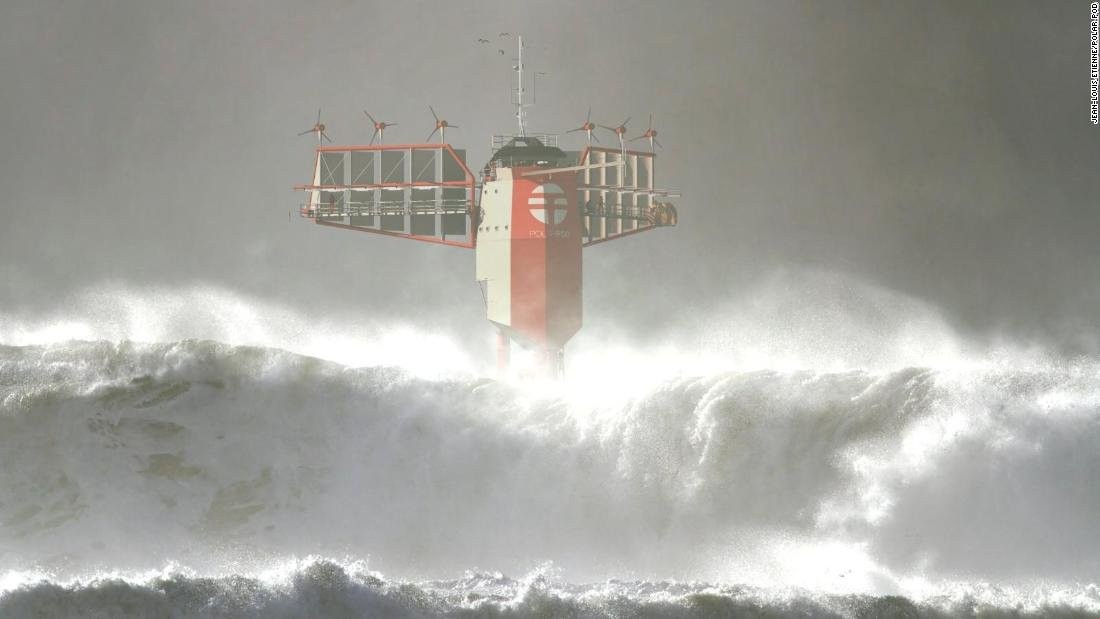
(939, 149)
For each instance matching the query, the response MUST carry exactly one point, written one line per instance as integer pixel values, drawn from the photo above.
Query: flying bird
(505, 34)
(501, 52)
(481, 40)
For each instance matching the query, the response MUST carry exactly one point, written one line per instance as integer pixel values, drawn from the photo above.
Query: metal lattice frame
(620, 200)
(423, 192)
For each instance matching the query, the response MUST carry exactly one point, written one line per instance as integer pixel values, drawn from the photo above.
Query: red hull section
(546, 244)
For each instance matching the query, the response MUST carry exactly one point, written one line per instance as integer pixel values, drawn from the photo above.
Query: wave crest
(323, 588)
(134, 454)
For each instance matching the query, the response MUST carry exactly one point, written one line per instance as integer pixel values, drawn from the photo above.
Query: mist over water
(238, 455)
(793, 319)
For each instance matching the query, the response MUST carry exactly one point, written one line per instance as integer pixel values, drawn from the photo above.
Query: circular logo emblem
(548, 203)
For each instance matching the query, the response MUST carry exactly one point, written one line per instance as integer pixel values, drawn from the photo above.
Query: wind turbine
(650, 133)
(587, 127)
(318, 128)
(440, 126)
(379, 129)
(619, 131)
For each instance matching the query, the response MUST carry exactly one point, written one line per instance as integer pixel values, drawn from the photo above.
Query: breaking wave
(844, 493)
(321, 588)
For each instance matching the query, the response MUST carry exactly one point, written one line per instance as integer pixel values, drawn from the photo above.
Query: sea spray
(131, 456)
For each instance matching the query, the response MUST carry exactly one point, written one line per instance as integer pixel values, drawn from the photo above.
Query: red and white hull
(529, 258)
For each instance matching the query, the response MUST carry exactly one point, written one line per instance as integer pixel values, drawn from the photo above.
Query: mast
(520, 114)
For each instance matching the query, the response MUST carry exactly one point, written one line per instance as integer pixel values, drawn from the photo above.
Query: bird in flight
(505, 34)
(501, 52)
(481, 40)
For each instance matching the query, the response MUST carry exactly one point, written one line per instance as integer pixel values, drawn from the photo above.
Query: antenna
(521, 116)
(535, 86)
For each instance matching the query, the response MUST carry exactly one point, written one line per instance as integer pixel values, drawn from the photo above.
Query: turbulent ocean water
(203, 478)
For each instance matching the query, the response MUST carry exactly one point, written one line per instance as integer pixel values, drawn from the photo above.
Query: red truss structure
(422, 192)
